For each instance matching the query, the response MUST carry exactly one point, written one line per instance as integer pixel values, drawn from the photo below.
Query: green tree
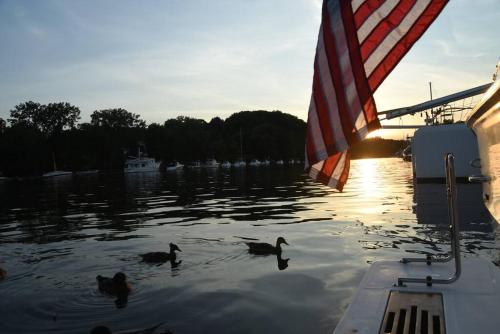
(49, 119)
(116, 118)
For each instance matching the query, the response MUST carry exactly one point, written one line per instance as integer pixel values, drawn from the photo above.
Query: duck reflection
(282, 263)
(174, 264)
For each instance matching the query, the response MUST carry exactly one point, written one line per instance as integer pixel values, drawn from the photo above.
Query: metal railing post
(451, 193)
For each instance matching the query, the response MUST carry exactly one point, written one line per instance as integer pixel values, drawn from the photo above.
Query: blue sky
(203, 58)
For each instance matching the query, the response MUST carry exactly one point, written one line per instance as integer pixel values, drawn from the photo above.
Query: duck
(117, 285)
(3, 274)
(161, 257)
(262, 248)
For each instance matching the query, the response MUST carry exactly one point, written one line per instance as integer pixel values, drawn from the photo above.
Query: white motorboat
(439, 294)
(57, 173)
(279, 162)
(174, 166)
(211, 163)
(239, 164)
(194, 164)
(226, 164)
(141, 164)
(255, 163)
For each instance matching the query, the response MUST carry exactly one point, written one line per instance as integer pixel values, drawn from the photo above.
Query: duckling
(3, 274)
(117, 285)
(262, 248)
(161, 257)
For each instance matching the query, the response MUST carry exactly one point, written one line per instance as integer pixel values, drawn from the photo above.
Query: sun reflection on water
(369, 180)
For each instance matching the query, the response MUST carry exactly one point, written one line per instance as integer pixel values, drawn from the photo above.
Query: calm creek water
(57, 234)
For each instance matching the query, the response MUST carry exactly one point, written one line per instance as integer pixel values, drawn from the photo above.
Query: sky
(207, 58)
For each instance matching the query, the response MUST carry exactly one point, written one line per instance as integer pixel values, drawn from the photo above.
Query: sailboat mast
(241, 146)
(432, 109)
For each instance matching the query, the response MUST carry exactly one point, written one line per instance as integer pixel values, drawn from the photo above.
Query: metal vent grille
(414, 313)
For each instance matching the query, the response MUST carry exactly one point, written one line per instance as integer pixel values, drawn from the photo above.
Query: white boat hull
(57, 173)
(477, 289)
(485, 121)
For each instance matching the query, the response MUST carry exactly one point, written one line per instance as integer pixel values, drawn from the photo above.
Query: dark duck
(262, 248)
(117, 285)
(161, 257)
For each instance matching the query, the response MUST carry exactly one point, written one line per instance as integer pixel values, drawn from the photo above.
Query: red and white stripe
(359, 43)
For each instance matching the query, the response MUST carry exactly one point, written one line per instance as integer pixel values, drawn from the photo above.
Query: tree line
(35, 136)
(39, 138)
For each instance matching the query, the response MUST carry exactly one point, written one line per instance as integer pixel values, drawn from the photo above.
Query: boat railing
(451, 193)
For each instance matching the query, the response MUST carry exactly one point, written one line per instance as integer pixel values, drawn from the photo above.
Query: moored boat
(141, 164)
(57, 173)
(255, 163)
(195, 164)
(174, 166)
(239, 164)
(211, 163)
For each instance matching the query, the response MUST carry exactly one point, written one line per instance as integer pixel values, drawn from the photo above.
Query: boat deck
(477, 289)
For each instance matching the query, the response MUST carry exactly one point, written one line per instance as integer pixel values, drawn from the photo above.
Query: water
(57, 234)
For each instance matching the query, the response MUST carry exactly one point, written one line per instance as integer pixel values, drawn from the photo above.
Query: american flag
(359, 43)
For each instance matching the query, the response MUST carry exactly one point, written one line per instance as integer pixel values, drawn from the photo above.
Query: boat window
(143, 165)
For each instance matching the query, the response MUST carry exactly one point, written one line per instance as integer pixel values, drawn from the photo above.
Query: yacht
(279, 162)
(440, 294)
(195, 164)
(255, 163)
(140, 163)
(212, 163)
(174, 166)
(226, 164)
(239, 164)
